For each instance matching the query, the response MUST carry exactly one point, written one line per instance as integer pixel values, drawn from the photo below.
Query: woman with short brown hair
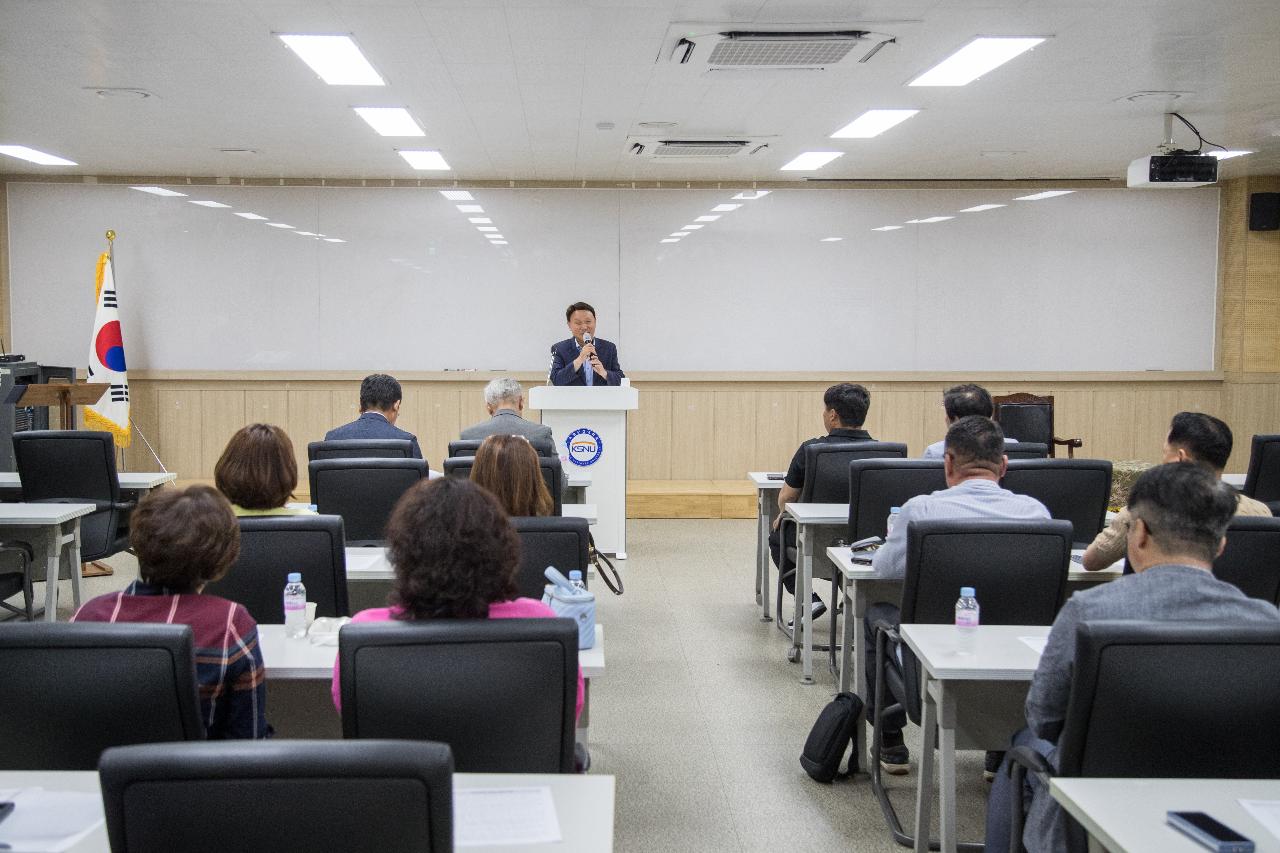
(507, 465)
(257, 471)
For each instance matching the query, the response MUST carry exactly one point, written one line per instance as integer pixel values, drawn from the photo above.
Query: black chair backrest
(1026, 450)
(1018, 569)
(1030, 421)
(360, 448)
(559, 542)
(552, 474)
(69, 691)
(1198, 680)
(1077, 490)
(65, 464)
(272, 546)
(826, 467)
(1251, 560)
(469, 446)
(1262, 482)
(363, 491)
(878, 485)
(290, 796)
(500, 692)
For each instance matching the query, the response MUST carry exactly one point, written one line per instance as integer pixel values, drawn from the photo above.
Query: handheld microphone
(586, 338)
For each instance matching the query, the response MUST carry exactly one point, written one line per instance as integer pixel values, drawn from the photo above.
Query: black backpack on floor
(828, 741)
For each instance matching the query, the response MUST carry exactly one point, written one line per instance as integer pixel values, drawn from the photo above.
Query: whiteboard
(1097, 280)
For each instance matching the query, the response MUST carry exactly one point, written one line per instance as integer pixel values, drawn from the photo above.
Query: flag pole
(111, 256)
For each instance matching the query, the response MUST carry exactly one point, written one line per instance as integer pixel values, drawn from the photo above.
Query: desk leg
(946, 768)
(924, 780)
(762, 555)
(53, 556)
(804, 612)
(583, 732)
(75, 562)
(854, 647)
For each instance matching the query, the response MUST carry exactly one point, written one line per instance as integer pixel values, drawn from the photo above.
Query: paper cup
(311, 613)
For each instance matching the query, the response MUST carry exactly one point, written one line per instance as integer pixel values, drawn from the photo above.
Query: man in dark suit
(379, 407)
(584, 359)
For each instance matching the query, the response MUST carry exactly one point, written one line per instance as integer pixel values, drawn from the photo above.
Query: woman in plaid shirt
(185, 538)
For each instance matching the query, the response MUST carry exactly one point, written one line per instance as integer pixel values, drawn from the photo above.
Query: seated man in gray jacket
(1180, 513)
(504, 398)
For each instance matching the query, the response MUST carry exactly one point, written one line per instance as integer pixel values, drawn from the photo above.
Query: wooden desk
(53, 530)
(584, 805)
(766, 511)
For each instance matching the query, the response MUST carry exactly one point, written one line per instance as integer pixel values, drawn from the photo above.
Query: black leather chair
(1019, 571)
(1075, 489)
(1029, 417)
(360, 448)
(878, 485)
(469, 446)
(500, 692)
(1206, 695)
(552, 473)
(363, 491)
(1026, 450)
(15, 582)
(1251, 560)
(272, 546)
(1262, 482)
(77, 466)
(70, 691)
(559, 542)
(296, 796)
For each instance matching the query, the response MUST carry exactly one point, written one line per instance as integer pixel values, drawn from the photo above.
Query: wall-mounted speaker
(1264, 212)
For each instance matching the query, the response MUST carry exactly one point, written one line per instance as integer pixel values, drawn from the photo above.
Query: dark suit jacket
(372, 425)
(563, 354)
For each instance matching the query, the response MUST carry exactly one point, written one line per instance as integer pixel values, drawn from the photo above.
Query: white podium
(590, 425)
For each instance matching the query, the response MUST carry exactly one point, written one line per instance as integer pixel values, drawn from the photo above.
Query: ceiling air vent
(695, 148)
(743, 50)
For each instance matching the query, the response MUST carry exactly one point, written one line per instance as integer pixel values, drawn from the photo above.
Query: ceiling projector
(1175, 171)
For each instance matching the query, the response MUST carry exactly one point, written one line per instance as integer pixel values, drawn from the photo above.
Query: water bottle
(575, 581)
(295, 607)
(966, 609)
(891, 520)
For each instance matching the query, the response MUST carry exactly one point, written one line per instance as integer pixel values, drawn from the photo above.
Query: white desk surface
(584, 804)
(128, 479)
(587, 511)
(303, 660)
(760, 479)
(842, 558)
(819, 513)
(1236, 481)
(577, 477)
(994, 653)
(1128, 815)
(23, 514)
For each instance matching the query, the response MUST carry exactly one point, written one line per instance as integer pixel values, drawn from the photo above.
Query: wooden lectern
(64, 395)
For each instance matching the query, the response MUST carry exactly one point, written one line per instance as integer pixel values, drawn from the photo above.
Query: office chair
(70, 690)
(1251, 559)
(469, 446)
(1026, 450)
(1029, 418)
(549, 541)
(14, 582)
(363, 491)
(272, 546)
(1075, 489)
(500, 692)
(1019, 570)
(298, 796)
(1205, 711)
(552, 474)
(1262, 482)
(360, 448)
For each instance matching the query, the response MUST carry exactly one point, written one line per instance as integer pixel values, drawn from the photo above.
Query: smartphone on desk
(1208, 832)
(775, 476)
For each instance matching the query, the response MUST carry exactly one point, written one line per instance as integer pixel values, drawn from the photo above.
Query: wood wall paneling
(223, 414)
(310, 417)
(736, 418)
(181, 412)
(693, 426)
(649, 436)
(777, 427)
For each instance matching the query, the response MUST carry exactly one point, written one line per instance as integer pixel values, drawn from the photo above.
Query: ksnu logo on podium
(584, 446)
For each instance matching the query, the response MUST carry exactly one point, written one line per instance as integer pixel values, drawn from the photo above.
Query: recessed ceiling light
(658, 125)
(159, 191)
(495, 237)
(426, 161)
(692, 227)
(669, 240)
(872, 123)
(334, 240)
(811, 160)
(280, 225)
(707, 218)
(335, 58)
(888, 228)
(1227, 155)
(469, 208)
(390, 121)
(978, 208)
(307, 233)
(752, 195)
(479, 220)
(209, 203)
(928, 220)
(31, 155)
(483, 228)
(124, 92)
(830, 239)
(250, 216)
(725, 208)
(679, 234)
(1045, 194)
(457, 195)
(238, 152)
(975, 59)
(499, 243)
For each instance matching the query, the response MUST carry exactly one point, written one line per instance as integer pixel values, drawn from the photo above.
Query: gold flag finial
(111, 235)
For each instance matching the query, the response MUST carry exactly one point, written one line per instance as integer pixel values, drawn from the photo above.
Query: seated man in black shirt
(845, 410)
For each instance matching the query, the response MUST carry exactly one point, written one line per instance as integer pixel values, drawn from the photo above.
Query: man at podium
(584, 359)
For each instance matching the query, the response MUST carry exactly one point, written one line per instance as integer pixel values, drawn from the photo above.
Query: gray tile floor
(701, 718)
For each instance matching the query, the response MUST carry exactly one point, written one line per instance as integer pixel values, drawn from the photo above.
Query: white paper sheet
(1036, 644)
(1265, 812)
(49, 821)
(504, 816)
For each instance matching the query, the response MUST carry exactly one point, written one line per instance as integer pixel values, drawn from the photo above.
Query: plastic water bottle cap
(295, 577)
(966, 592)
(575, 575)
(894, 509)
